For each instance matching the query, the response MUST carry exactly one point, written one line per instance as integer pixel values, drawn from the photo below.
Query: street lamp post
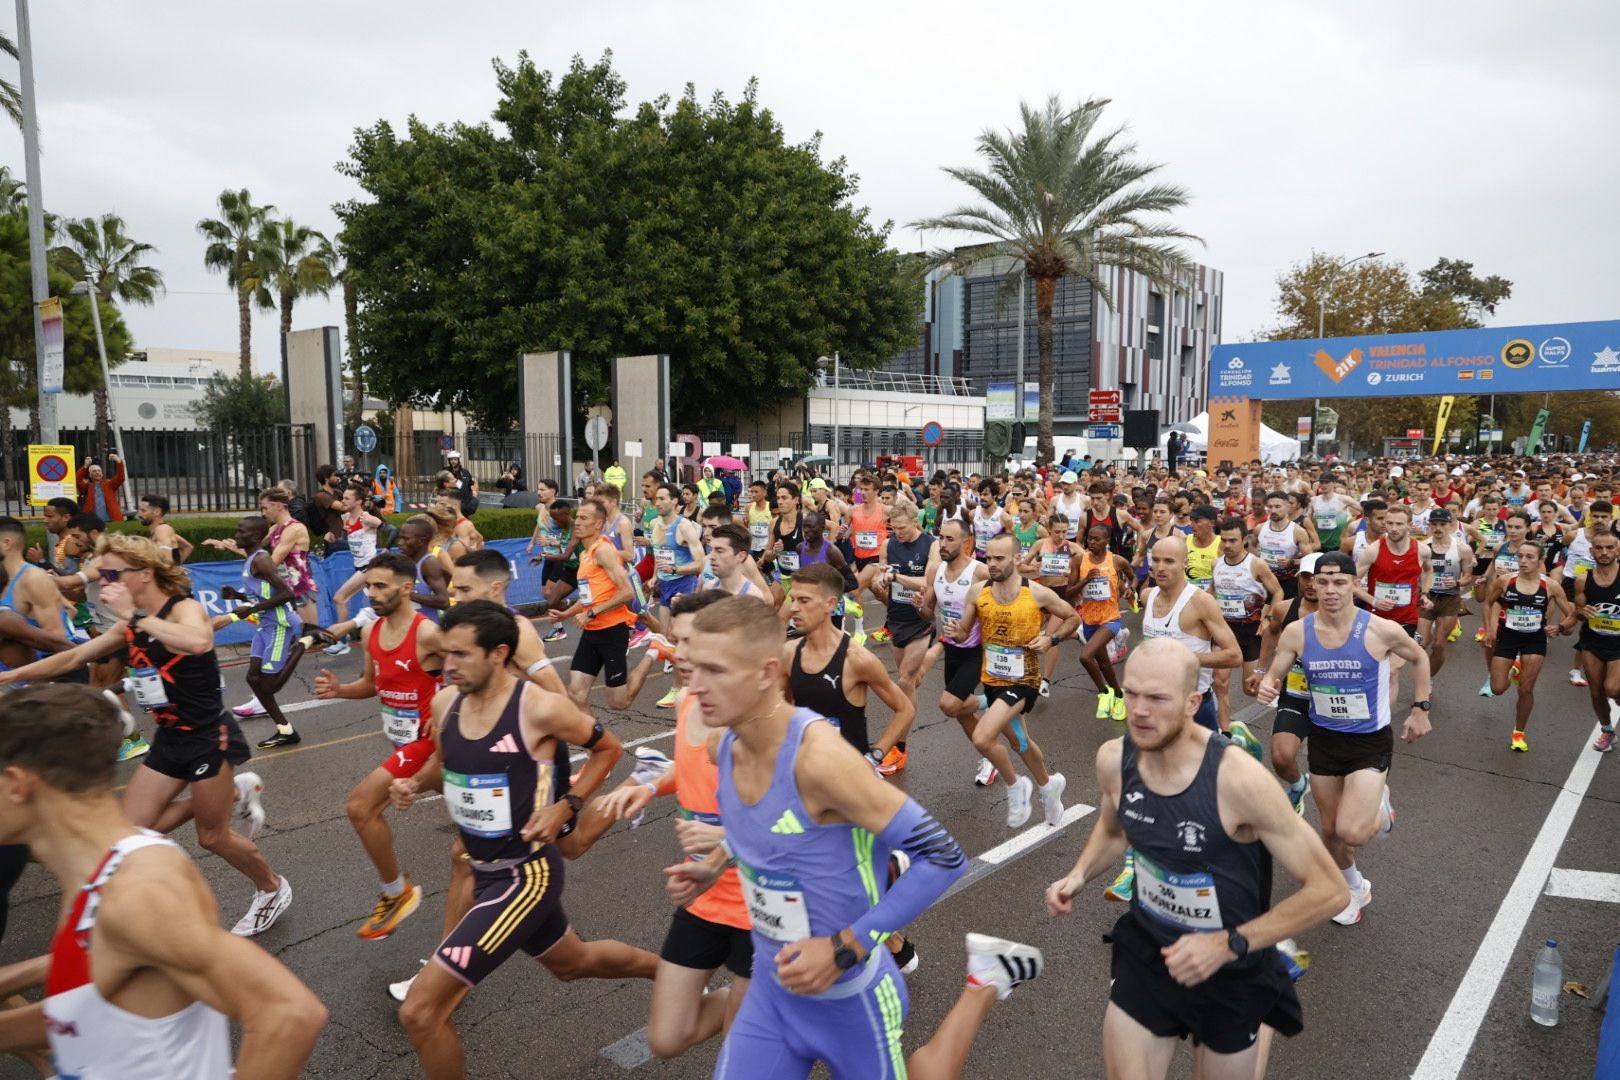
(48, 431)
(837, 459)
(88, 290)
(1321, 326)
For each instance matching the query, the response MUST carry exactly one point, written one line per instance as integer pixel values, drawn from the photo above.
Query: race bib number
(1332, 703)
(401, 725)
(1232, 605)
(1297, 685)
(1524, 620)
(1096, 588)
(1186, 901)
(759, 532)
(866, 540)
(550, 549)
(1327, 522)
(788, 561)
(1605, 620)
(1276, 558)
(480, 803)
(1055, 564)
(1074, 530)
(1398, 594)
(775, 904)
(584, 591)
(1003, 662)
(362, 547)
(1581, 564)
(664, 559)
(697, 815)
(1508, 561)
(149, 691)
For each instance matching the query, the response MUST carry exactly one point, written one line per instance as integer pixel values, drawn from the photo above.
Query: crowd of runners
(779, 615)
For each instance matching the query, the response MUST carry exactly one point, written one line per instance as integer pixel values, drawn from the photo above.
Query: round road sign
(51, 468)
(932, 433)
(596, 433)
(365, 438)
(447, 442)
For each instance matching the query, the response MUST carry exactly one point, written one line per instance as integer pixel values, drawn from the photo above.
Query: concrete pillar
(546, 406)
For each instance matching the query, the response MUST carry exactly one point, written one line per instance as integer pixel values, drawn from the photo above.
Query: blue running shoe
(1241, 735)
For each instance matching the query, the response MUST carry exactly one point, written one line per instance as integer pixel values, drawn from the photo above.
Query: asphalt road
(1375, 998)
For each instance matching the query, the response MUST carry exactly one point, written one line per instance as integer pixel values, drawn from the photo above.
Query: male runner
(28, 592)
(500, 801)
(677, 549)
(431, 594)
(1597, 605)
(559, 554)
(1281, 542)
(1451, 563)
(403, 659)
(267, 600)
(360, 537)
(1012, 615)
(905, 561)
(953, 572)
(1596, 518)
(1195, 954)
(152, 512)
(1332, 510)
(601, 609)
(169, 639)
(1293, 721)
(735, 570)
(1244, 587)
(142, 980)
(1346, 655)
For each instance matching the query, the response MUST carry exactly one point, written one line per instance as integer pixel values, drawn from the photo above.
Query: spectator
(466, 487)
(98, 492)
(733, 486)
(511, 480)
(327, 509)
(615, 475)
(384, 492)
(587, 475)
(708, 483)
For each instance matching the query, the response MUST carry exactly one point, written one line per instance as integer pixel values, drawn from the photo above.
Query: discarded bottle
(1546, 985)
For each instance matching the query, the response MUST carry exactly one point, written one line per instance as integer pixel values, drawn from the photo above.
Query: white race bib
(480, 804)
(788, 561)
(1331, 703)
(149, 691)
(401, 725)
(1523, 620)
(1096, 588)
(1398, 594)
(1232, 605)
(866, 540)
(759, 532)
(1187, 901)
(1327, 522)
(1055, 564)
(584, 591)
(1004, 662)
(775, 904)
(664, 560)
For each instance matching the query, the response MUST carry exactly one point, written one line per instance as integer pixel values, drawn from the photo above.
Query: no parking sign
(50, 473)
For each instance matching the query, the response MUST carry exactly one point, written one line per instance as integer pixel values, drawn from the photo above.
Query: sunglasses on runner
(111, 574)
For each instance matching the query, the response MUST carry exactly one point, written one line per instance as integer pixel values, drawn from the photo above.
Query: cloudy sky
(1480, 131)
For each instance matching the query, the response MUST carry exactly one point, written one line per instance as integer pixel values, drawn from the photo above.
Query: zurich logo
(1555, 351)
(1234, 363)
(1373, 378)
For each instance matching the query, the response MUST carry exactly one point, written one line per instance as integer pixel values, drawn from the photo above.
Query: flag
(1534, 445)
(1440, 422)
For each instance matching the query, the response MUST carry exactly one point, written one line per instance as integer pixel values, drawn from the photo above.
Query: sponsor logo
(1556, 351)
(1234, 364)
(1518, 353)
(1486, 373)
(1280, 376)
(1337, 369)
(1192, 835)
(1607, 361)
(1373, 378)
(1134, 796)
(1241, 377)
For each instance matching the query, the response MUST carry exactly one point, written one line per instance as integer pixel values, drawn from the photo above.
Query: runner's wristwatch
(1424, 705)
(1237, 943)
(843, 955)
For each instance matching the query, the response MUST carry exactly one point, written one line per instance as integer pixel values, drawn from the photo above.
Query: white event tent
(1275, 447)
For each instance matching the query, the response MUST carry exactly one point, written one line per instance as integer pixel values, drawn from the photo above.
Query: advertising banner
(1586, 430)
(50, 324)
(1234, 430)
(1440, 420)
(1001, 401)
(1534, 445)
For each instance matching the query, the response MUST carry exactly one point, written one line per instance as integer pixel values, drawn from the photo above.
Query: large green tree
(297, 261)
(578, 222)
(1061, 198)
(234, 249)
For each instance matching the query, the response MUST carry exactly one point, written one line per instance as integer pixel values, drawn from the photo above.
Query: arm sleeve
(937, 860)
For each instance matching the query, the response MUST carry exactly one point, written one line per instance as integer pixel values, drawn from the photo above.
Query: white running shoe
(1387, 812)
(398, 990)
(249, 812)
(1576, 678)
(1359, 898)
(987, 773)
(264, 911)
(1003, 964)
(651, 768)
(1018, 796)
(1052, 798)
(250, 708)
(340, 649)
(1046, 688)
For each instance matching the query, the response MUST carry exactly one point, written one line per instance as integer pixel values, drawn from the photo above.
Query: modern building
(152, 390)
(1152, 346)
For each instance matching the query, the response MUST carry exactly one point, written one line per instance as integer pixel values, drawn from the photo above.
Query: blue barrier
(330, 572)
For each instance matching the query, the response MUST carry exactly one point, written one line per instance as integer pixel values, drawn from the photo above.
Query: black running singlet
(179, 690)
(823, 692)
(490, 785)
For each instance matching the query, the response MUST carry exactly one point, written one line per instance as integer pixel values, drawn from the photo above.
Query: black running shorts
(697, 943)
(198, 754)
(1248, 639)
(1605, 647)
(1340, 753)
(605, 650)
(905, 633)
(1512, 644)
(1021, 697)
(516, 907)
(1293, 716)
(962, 666)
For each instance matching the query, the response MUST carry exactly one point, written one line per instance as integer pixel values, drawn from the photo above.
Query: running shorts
(272, 644)
(1021, 697)
(697, 943)
(962, 666)
(907, 632)
(1248, 639)
(1224, 1012)
(669, 590)
(1512, 644)
(1340, 753)
(863, 561)
(1086, 629)
(1208, 714)
(1603, 646)
(559, 571)
(407, 760)
(1293, 716)
(605, 650)
(515, 907)
(198, 754)
(1446, 605)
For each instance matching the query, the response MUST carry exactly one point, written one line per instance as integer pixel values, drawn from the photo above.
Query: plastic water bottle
(1547, 984)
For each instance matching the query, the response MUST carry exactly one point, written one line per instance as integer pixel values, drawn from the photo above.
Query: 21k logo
(1337, 369)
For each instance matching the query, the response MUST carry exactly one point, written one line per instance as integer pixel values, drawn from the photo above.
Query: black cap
(1336, 560)
(1440, 513)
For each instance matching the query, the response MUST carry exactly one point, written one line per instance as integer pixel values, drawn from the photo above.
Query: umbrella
(814, 459)
(1186, 429)
(725, 461)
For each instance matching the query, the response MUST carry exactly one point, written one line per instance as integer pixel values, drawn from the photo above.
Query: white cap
(1396, 470)
(1307, 565)
(1459, 470)
(1576, 476)
(1068, 478)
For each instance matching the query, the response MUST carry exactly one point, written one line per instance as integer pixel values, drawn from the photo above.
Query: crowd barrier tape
(330, 572)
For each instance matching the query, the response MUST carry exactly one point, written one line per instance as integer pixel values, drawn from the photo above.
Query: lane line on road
(631, 1052)
(1448, 1048)
(1584, 885)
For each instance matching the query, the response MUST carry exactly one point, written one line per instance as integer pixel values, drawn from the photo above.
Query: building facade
(152, 390)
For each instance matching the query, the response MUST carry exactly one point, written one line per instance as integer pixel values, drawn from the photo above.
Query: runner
(735, 571)
(905, 562)
(1332, 510)
(1345, 653)
(1596, 518)
(1012, 615)
(1400, 575)
(559, 555)
(431, 594)
(1244, 587)
(1281, 542)
(1196, 953)
(500, 802)
(152, 513)
(403, 660)
(276, 647)
(954, 572)
(1451, 564)
(1597, 604)
(289, 544)
(868, 535)
(1203, 547)
(1070, 503)
(142, 981)
(360, 537)
(1105, 580)
(602, 611)
(1517, 627)
(677, 549)
(197, 747)
(1055, 563)
(1293, 721)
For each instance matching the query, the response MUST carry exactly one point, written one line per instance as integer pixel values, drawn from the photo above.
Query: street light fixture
(1321, 318)
(822, 362)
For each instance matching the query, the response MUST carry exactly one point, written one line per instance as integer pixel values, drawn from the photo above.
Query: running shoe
(905, 957)
(1485, 690)
(880, 636)
(661, 647)
(1118, 708)
(1105, 705)
(899, 863)
(1605, 741)
(1240, 734)
(670, 698)
(390, 912)
(1513, 673)
(265, 910)
(249, 811)
(1456, 632)
(651, 766)
(133, 747)
(399, 990)
(1003, 964)
(1576, 678)
(859, 637)
(892, 762)
(249, 708)
(1518, 743)
(556, 633)
(1479, 635)
(1359, 898)
(1295, 959)
(669, 667)
(1018, 802)
(1052, 798)
(1046, 688)
(987, 774)
(340, 649)
(1123, 887)
(1297, 792)
(280, 738)
(853, 609)
(984, 702)
(1387, 812)
(315, 636)
(638, 637)
(1120, 644)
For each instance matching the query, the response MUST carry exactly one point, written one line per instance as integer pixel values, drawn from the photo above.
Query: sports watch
(843, 955)
(1237, 943)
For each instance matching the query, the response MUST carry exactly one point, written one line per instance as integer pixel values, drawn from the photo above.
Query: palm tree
(99, 251)
(298, 261)
(10, 96)
(1062, 200)
(233, 248)
(13, 193)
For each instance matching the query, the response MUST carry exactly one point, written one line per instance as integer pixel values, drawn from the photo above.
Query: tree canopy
(579, 223)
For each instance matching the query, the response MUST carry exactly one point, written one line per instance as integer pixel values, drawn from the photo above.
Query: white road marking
(1584, 885)
(1011, 849)
(1448, 1048)
(632, 744)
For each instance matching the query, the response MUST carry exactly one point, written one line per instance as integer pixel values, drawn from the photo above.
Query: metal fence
(416, 457)
(201, 470)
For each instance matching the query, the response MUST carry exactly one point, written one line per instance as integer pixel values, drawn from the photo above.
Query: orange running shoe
(892, 762)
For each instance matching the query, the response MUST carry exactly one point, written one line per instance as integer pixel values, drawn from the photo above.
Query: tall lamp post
(87, 289)
(837, 426)
(1321, 324)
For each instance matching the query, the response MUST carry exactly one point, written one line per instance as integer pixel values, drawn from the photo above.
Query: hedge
(494, 524)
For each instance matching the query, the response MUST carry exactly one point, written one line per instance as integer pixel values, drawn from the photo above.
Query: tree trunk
(351, 318)
(8, 448)
(286, 312)
(244, 316)
(33, 421)
(1045, 295)
(103, 422)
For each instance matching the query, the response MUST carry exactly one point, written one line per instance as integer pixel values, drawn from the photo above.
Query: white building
(153, 390)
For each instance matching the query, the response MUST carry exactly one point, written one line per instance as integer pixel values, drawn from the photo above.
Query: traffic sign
(1414, 433)
(447, 442)
(932, 433)
(632, 450)
(50, 473)
(596, 433)
(1103, 431)
(1105, 397)
(365, 438)
(1104, 414)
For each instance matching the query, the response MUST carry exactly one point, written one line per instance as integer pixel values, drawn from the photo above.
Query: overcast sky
(1482, 131)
